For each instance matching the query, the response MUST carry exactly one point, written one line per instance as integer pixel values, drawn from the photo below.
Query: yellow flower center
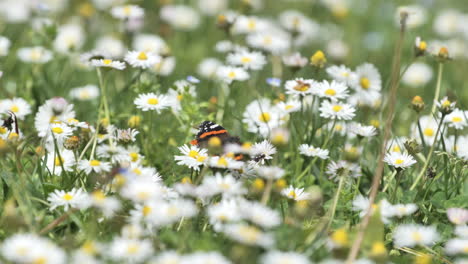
(249, 233)
(3, 130)
(429, 132)
(264, 117)
(186, 180)
(396, 148)
(456, 119)
(330, 92)
(251, 24)
(94, 163)
(57, 130)
(246, 59)
(13, 136)
(399, 161)
(14, 108)
(127, 10)
(179, 97)
(137, 171)
(143, 195)
(422, 45)
(222, 162)
(258, 184)
(40, 260)
(67, 197)
(59, 161)
(134, 156)
(193, 154)
(378, 249)
(232, 75)
(365, 83)
(267, 40)
(287, 107)
(337, 108)
(89, 248)
(201, 158)
(146, 210)
(153, 101)
(107, 61)
(132, 249)
(446, 103)
(142, 56)
(99, 195)
(416, 236)
(340, 237)
(292, 194)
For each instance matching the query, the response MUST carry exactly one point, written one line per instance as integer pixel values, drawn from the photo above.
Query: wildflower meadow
(222, 131)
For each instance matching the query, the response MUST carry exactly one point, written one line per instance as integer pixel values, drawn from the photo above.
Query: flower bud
(72, 143)
(417, 104)
(318, 59)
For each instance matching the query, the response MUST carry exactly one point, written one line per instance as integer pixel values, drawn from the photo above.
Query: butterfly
(208, 130)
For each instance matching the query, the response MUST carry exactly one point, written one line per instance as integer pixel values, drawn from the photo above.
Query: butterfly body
(208, 130)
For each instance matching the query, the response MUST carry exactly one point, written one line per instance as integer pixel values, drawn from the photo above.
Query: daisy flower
(35, 54)
(279, 257)
(17, 105)
(456, 246)
(418, 74)
(108, 205)
(141, 190)
(53, 111)
(223, 212)
(60, 132)
(76, 198)
(343, 168)
(69, 38)
(260, 214)
(361, 130)
(85, 93)
(94, 166)
(229, 74)
(457, 119)
(264, 149)
(151, 101)
(249, 235)
(297, 194)
(336, 110)
(108, 63)
(227, 185)
(55, 163)
(166, 213)
(165, 66)
(208, 67)
(428, 128)
(193, 157)
(181, 17)
(253, 60)
(457, 216)
(262, 117)
(292, 105)
(130, 250)
(399, 160)
(301, 87)
(311, 151)
(249, 24)
(367, 78)
(295, 60)
(126, 135)
(204, 257)
(270, 172)
(332, 90)
(341, 74)
(5, 44)
(110, 46)
(362, 205)
(127, 12)
(274, 41)
(149, 43)
(461, 231)
(411, 235)
(141, 59)
(30, 248)
(401, 210)
(445, 105)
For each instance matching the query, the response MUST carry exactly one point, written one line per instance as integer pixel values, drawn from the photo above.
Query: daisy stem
(335, 201)
(389, 180)
(429, 156)
(267, 192)
(104, 101)
(398, 179)
(421, 134)
(437, 92)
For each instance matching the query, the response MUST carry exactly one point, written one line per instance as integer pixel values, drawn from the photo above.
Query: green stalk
(429, 156)
(335, 201)
(437, 92)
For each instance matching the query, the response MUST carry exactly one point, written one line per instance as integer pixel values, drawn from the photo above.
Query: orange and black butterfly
(208, 130)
